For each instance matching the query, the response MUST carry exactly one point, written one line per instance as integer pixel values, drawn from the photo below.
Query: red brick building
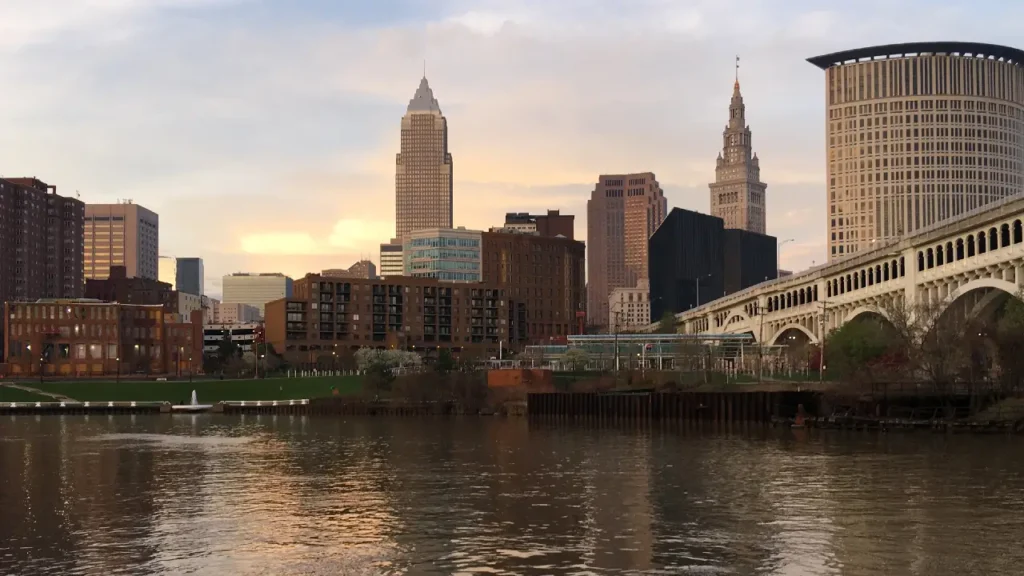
(79, 338)
(544, 278)
(397, 312)
(119, 287)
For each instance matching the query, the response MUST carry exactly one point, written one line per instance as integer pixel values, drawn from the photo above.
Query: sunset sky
(264, 132)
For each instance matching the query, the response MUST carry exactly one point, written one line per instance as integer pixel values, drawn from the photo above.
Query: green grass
(207, 391)
(15, 395)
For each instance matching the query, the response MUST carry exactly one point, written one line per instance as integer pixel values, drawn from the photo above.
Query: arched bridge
(978, 255)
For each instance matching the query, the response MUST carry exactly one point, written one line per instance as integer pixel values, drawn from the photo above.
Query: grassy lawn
(15, 395)
(207, 391)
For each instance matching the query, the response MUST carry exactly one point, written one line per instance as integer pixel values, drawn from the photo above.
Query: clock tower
(737, 194)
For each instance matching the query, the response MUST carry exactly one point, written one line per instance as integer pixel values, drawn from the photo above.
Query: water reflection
(293, 495)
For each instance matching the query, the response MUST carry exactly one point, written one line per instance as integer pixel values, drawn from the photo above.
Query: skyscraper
(918, 133)
(40, 242)
(623, 212)
(423, 173)
(121, 235)
(738, 195)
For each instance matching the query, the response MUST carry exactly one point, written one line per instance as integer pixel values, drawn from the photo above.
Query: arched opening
(1018, 236)
(970, 246)
(949, 252)
(993, 239)
(920, 262)
(903, 268)
(871, 276)
(938, 255)
(878, 273)
(828, 289)
(982, 242)
(1004, 235)
(789, 300)
(856, 281)
(863, 278)
(930, 259)
(959, 249)
(885, 271)
(815, 293)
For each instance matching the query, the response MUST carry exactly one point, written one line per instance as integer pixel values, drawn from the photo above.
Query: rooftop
(886, 51)
(423, 100)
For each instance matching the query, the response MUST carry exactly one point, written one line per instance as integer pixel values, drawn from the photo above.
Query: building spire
(736, 86)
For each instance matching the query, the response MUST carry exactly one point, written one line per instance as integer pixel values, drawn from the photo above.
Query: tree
(445, 361)
(857, 350)
(577, 359)
(1009, 343)
(228, 349)
(667, 324)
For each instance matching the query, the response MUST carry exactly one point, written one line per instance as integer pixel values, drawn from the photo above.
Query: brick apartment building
(328, 314)
(545, 280)
(78, 337)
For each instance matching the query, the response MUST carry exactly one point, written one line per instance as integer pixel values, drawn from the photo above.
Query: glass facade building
(452, 255)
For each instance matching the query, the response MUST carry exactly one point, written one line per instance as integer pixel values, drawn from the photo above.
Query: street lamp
(117, 361)
(778, 254)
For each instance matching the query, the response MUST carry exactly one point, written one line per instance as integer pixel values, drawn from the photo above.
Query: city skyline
(529, 134)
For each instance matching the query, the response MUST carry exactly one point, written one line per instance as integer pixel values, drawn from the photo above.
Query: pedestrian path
(23, 388)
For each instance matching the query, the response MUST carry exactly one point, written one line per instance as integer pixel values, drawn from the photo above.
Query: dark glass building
(693, 260)
(750, 258)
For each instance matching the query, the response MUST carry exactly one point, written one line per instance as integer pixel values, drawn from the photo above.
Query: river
(208, 494)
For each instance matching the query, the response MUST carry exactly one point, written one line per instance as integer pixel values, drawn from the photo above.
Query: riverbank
(180, 391)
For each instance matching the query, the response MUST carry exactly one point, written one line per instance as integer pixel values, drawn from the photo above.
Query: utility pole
(821, 325)
(760, 344)
(615, 328)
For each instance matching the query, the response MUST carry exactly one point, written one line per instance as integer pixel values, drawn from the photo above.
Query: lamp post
(117, 362)
(135, 357)
(190, 368)
(778, 254)
(177, 360)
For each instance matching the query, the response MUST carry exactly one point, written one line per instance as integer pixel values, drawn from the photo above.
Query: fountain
(192, 406)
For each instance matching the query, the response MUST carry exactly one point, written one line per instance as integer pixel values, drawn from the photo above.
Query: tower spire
(737, 84)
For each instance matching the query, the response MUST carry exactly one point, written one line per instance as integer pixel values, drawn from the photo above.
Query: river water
(284, 495)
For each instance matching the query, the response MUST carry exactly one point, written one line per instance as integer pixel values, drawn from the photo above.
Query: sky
(264, 132)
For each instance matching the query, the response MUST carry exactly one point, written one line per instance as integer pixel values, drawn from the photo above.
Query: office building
(622, 213)
(81, 337)
(451, 255)
(255, 289)
(630, 308)
(242, 334)
(391, 261)
(737, 194)
(918, 133)
(326, 314)
(695, 260)
(235, 313)
(210, 306)
(553, 223)
(749, 259)
(544, 278)
(423, 173)
(41, 242)
(124, 234)
(183, 274)
(362, 269)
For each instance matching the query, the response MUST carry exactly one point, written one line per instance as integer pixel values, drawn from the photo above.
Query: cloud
(264, 133)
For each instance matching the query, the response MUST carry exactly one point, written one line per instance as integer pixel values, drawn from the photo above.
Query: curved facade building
(918, 133)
